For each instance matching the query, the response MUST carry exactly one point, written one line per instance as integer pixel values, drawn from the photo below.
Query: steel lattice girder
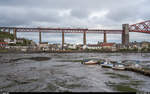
(143, 27)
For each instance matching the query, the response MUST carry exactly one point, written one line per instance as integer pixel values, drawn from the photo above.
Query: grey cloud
(21, 16)
(80, 13)
(46, 13)
(30, 12)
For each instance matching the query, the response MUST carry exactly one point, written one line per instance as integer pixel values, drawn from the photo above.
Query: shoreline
(72, 52)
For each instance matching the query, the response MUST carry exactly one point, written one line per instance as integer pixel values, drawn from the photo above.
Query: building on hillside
(3, 44)
(134, 45)
(44, 46)
(72, 46)
(54, 47)
(33, 43)
(59, 46)
(145, 44)
(94, 46)
(80, 46)
(84, 47)
(119, 46)
(20, 40)
(9, 41)
(109, 46)
(65, 47)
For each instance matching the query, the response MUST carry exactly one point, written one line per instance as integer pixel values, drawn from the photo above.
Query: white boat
(90, 62)
(118, 66)
(107, 64)
(135, 66)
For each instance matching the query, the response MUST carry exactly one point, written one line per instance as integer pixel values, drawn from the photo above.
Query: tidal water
(63, 72)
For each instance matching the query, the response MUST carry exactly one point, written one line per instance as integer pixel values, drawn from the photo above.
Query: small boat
(107, 64)
(90, 62)
(118, 66)
(136, 66)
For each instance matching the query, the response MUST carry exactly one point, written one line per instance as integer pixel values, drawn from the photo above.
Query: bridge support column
(125, 34)
(84, 38)
(40, 38)
(4, 30)
(15, 33)
(63, 40)
(105, 37)
(9, 31)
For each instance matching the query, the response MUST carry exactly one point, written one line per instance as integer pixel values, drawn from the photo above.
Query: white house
(72, 46)
(9, 41)
(94, 46)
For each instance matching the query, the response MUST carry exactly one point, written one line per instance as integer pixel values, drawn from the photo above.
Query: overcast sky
(102, 14)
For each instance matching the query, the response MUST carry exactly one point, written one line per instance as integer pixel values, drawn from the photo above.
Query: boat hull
(106, 66)
(118, 68)
(90, 63)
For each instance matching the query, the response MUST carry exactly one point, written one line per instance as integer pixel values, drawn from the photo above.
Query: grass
(6, 35)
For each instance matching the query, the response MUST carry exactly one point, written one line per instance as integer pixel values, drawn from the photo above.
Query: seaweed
(123, 87)
(32, 58)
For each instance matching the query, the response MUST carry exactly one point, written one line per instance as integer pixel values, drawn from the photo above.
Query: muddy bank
(24, 58)
(53, 72)
(32, 58)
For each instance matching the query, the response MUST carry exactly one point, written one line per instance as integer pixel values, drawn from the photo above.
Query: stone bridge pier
(125, 34)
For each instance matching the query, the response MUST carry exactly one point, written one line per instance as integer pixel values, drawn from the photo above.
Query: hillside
(4, 35)
(24, 42)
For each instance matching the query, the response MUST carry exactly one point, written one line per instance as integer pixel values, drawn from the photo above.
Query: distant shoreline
(73, 52)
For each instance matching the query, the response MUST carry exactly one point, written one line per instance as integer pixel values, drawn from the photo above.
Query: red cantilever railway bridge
(142, 27)
(60, 30)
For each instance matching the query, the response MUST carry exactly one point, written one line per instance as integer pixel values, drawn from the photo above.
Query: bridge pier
(84, 38)
(105, 37)
(15, 33)
(4, 30)
(9, 31)
(40, 38)
(63, 40)
(125, 34)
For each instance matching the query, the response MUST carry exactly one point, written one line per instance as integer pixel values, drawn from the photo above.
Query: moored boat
(90, 62)
(107, 64)
(118, 66)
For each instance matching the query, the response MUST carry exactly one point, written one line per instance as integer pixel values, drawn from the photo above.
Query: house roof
(44, 43)
(102, 44)
(3, 43)
(93, 45)
(107, 44)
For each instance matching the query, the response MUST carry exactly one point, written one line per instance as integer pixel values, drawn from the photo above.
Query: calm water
(63, 73)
